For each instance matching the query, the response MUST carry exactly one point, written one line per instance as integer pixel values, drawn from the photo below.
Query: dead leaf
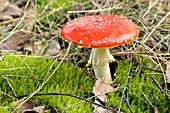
(40, 109)
(38, 47)
(3, 5)
(29, 107)
(34, 47)
(13, 10)
(21, 3)
(16, 41)
(101, 88)
(5, 17)
(26, 105)
(10, 12)
(30, 47)
(53, 48)
(168, 72)
(98, 109)
(4, 30)
(29, 21)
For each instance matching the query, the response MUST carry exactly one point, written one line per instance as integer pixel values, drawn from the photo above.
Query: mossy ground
(23, 74)
(141, 92)
(16, 79)
(67, 79)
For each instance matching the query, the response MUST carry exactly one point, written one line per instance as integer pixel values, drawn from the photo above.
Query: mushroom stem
(100, 61)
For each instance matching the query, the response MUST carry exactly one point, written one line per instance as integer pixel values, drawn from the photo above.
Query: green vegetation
(23, 75)
(67, 79)
(142, 94)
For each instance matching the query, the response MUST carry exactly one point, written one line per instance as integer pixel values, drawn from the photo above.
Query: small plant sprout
(100, 32)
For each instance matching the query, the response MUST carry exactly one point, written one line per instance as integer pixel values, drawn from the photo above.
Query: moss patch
(67, 79)
(143, 94)
(23, 75)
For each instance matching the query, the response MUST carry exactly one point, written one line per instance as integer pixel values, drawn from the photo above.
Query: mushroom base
(100, 60)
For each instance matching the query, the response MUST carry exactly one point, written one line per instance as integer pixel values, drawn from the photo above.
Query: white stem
(100, 60)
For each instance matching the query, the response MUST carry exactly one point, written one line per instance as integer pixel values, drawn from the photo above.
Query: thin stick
(20, 76)
(89, 11)
(7, 79)
(151, 5)
(70, 95)
(160, 88)
(125, 86)
(128, 105)
(152, 69)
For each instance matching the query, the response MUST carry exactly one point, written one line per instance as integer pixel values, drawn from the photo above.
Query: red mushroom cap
(100, 31)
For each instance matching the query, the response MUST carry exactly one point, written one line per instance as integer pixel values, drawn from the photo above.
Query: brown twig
(152, 69)
(128, 105)
(160, 88)
(28, 77)
(124, 89)
(70, 95)
(127, 101)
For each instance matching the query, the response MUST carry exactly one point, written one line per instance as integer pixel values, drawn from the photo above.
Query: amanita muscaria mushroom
(100, 32)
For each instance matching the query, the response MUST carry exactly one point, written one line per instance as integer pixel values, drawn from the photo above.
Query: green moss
(143, 94)
(67, 79)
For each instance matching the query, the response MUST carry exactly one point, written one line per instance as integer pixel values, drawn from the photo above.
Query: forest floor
(40, 72)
